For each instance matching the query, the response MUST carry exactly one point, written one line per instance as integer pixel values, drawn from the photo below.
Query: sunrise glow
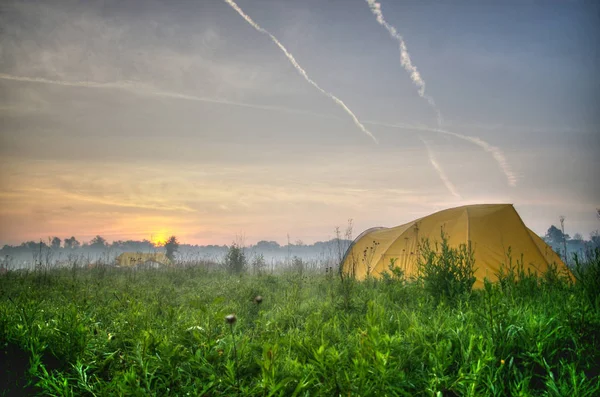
(160, 238)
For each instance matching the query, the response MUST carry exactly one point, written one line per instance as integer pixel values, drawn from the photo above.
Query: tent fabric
(133, 259)
(489, 229)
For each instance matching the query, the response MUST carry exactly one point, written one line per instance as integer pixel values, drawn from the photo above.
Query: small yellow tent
(489, 229)
(138, 259)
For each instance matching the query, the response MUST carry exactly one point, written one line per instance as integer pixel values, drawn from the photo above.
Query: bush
(446, 272)
(235, 260)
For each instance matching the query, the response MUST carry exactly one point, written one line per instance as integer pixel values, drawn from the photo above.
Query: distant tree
(31, 245)
(235, 260)
(118, 244)
(595, 238)
(132, 245)
(71, 243)
(171, 245)
(577, 237)
(267, 245)
(55, 243)
(98, 242)
(554, 236)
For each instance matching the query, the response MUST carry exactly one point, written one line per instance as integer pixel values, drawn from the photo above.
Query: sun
(159, 238)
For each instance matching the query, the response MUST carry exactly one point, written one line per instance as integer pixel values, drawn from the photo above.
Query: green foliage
(446, 272)
(514, 279)
(163, 332)
(588, 277)
(395, 275)
(235, 260)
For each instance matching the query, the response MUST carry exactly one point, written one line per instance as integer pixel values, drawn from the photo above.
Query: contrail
(496, 152)
(147, 90)
(79, 83)
(418, 80)
(300, 69)
(405, 60)
(451, 188)
(142, 89)
(493, 150)
(415, 76)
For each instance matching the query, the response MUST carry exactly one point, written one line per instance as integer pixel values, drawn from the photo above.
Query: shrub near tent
(494, 232)
(137, 259)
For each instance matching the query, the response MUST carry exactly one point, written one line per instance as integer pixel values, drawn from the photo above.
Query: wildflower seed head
(258, 299)
(230, 319)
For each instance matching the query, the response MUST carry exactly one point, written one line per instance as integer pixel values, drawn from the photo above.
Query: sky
(144, 119)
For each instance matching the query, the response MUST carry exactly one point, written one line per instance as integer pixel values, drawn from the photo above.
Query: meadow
(297, 332)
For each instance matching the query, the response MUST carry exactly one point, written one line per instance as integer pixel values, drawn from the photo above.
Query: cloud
(124, 199)
(88, 43)
(300, 70)
(147, 90)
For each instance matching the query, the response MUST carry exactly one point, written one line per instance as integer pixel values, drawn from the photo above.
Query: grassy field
(107, 331)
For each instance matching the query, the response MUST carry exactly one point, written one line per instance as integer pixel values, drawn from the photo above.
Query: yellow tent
(490, 229)
(138, 259)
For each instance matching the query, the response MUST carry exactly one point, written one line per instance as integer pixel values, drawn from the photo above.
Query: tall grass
(446, 272)
(163, 332)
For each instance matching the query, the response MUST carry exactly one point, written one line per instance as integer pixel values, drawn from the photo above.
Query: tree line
(555, 236)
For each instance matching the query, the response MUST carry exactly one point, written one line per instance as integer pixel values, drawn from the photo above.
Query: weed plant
(162, 332)
(446, 273)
